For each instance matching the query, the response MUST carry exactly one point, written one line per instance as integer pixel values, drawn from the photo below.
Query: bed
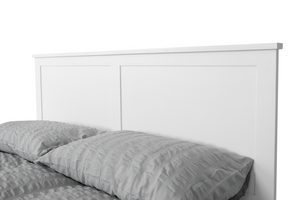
(178, 123)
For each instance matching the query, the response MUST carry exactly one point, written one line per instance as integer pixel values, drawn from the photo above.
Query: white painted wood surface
(225, 96)
(222, 48)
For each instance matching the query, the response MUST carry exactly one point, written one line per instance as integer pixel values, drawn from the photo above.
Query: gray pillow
(134, 165)
(30, 139)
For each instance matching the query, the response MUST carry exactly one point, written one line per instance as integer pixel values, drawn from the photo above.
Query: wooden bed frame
(224, 96)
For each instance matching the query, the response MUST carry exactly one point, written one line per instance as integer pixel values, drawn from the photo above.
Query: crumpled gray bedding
(97, 164)
(23, 180)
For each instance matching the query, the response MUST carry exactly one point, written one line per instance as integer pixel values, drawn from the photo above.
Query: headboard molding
(220, 48)
(221, 95)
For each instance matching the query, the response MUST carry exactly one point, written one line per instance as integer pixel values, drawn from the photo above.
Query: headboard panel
(224, 96)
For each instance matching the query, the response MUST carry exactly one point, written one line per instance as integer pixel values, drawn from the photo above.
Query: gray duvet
(22, 180)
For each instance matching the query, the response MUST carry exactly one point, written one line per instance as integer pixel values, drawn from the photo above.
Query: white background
(36, 27)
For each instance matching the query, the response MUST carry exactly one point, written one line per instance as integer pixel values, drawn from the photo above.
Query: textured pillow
(30, 139)
(133, 165)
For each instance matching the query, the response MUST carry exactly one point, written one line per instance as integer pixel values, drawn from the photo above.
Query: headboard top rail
(221, 48)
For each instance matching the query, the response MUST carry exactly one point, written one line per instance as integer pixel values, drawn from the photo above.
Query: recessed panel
(77, 94)
(209, 104)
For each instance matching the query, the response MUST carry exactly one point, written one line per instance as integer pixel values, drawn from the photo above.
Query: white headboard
(220, 95)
